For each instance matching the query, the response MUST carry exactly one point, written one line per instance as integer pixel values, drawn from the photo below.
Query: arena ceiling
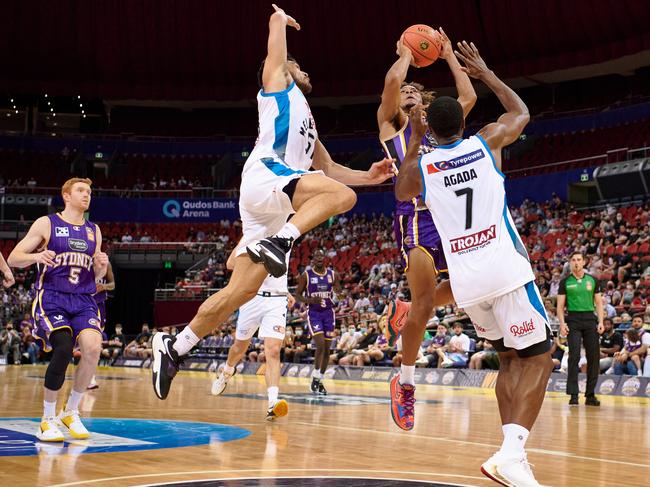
(211, 49)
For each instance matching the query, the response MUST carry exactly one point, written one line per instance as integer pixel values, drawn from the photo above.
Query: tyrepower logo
(476, 240)
(526, 328)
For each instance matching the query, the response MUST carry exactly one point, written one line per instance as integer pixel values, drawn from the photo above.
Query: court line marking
(464, 442)
(312, 477)
(262, 470)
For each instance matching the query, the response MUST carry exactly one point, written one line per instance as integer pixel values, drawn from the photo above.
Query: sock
(185, 341)
(289, 230)
(49, 409)
(73, 400)
(514, 439)
(92, 381)
(407, 374)
(228, 369)
(316, 374)
(273, 395)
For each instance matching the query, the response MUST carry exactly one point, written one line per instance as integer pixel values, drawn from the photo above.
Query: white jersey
(464, 190)
(287, 130)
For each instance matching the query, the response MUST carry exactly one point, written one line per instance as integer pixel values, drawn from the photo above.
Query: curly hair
(427, 95)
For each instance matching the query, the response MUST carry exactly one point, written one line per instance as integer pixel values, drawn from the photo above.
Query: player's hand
(46, 257)
(8, 278)
(418, 121)
(100, 287)
(291, 22)
(446, 50)
(475, 67)
(380, 171)
(601, 328)
(291, 301)
(101, 259)
(404, 52)
(564, 330)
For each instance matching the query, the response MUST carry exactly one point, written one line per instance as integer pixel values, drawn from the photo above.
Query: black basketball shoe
(272, 252)
(314, 385)
(321, 389)
(165, 363)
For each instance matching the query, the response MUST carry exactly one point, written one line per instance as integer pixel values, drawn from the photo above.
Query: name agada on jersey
(461, 177)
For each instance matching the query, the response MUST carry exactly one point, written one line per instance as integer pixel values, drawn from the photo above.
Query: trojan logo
(477, 239)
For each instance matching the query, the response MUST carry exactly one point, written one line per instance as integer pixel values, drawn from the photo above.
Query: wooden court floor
(350, 434)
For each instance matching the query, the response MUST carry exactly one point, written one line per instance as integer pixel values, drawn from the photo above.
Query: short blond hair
(67, 186)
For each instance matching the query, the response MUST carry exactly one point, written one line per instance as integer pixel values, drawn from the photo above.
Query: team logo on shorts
(526, 328)
(478, 328)
(93, 322)
(279, 328)
(408, 240)
(57, 318)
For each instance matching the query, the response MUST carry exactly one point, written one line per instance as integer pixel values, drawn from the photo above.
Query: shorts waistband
(269, 294)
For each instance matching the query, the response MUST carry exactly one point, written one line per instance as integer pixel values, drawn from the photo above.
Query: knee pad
(61, 342)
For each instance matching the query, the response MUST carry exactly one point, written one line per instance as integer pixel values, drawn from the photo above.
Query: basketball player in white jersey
(489, 270)
(276, 183)
(7, 276)
(268, 312)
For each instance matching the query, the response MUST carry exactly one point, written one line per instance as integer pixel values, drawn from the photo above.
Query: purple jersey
(395, 147)
(320, 286)
(100, 297)
(74, 246)
(439, 340)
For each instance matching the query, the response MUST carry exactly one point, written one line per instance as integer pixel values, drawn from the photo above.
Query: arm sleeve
(562, 288)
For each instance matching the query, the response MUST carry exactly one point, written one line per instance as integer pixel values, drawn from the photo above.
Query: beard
(304, 86)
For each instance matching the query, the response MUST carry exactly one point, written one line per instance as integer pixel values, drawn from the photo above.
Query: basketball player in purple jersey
(67, 251)
(415, 232)
(320, 284)
(104, 284)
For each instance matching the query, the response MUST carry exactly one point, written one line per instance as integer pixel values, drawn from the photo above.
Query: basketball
(424, 42)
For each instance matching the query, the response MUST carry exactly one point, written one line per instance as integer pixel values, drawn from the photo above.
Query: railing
(197, 192)
(193, 247)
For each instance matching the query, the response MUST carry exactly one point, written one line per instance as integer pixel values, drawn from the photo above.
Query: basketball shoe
(397, 312)
(71, 420)
(165, 363)
(49, 430)
(278, 410)
(272, 252)
(509, 471)
(220, 383)
(402, 403)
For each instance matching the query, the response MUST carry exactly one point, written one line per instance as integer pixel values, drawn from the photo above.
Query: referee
(580, 292)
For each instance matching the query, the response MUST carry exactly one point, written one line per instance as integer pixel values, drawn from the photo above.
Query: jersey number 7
(469, 192)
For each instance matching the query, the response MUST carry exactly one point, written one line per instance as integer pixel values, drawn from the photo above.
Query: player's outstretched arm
(389, 111)
(23, 253)
(275, 75)
(379, 172)
(7, 277)
(409, 179)
(466, 93)
(509, 125)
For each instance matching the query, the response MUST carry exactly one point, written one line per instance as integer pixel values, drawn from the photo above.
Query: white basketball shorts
(518, 317)
(268, 313)
(264, 207)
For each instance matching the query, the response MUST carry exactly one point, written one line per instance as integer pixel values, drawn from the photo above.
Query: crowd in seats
(615, 241)
(127, 232)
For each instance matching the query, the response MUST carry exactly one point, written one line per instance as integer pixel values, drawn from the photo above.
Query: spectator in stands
(628, 361)
(299, 348)
(611, 342)
(29, 344)
(369, 334)
(114, 347)
(362, 302)
(10, 343)
(486, 358)
(144, 333)
(457, 354)
(434, 352)
(346, 344)
(139, 347)
(127, 238)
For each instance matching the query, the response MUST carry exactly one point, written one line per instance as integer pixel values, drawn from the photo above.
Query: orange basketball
(424, 42)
